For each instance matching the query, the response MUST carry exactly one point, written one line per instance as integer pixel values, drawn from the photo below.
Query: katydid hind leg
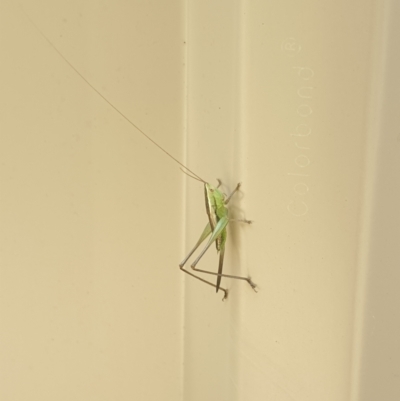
(206, 282)
(221, 225)
(216, 233)
(220, 267)
(206, 232)
(248, 279)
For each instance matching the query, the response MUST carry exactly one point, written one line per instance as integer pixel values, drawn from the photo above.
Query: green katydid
(218, 219)
(216, 201)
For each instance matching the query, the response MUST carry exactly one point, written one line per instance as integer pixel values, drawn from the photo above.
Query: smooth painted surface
(280, 99)
(90, 211)
(377, 354)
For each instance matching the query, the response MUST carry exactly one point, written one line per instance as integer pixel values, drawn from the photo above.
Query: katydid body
(216, 202)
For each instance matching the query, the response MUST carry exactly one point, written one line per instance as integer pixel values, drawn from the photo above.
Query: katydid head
(214, 192)
(211, 188)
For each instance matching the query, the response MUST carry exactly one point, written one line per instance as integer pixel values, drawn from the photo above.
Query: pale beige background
(298, 101)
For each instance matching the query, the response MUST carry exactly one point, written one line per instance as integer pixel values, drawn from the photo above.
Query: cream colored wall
(285, 97)
(91, 212)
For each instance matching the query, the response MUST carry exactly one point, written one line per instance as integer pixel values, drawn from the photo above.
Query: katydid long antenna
(183, 167)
